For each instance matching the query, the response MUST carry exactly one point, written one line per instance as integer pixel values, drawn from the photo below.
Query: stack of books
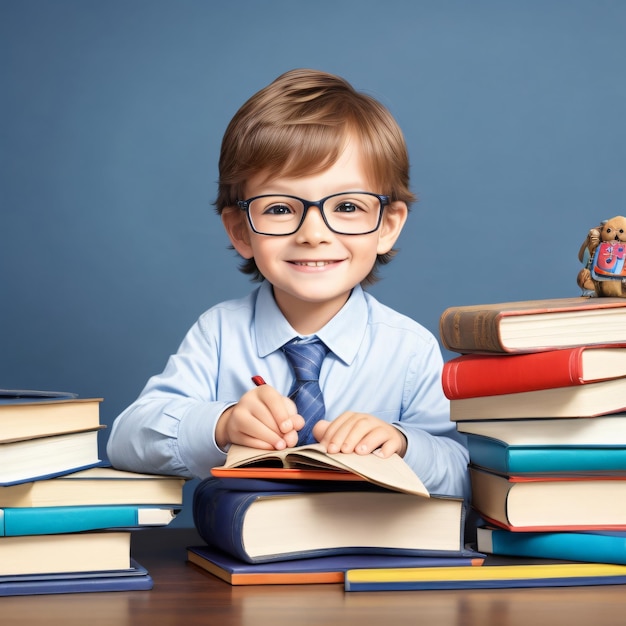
(539, 389)
(65, 518)
(304, 516)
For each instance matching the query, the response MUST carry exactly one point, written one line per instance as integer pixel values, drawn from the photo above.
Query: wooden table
(186, 595)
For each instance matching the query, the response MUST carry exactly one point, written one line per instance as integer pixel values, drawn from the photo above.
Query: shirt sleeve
(436, 451)
(170, 428)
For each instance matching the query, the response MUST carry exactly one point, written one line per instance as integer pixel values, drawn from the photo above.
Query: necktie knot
(306, 358)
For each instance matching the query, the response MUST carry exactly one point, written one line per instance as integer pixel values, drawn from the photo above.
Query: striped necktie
(306, 360)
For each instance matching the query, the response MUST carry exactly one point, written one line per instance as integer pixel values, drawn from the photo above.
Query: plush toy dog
(603, 253)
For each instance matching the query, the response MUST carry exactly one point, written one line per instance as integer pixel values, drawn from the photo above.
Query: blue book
(71, 519)
(594, 547)
(16, 396)
(46, 457)
(556, 446)
(323, 569)
(300, 520)
(136, 578)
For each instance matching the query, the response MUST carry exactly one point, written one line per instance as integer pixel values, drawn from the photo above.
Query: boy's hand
(263, 418)
(361, 433)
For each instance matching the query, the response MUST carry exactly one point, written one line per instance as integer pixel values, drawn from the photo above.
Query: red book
(475, 375)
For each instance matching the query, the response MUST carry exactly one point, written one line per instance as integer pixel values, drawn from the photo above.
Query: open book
(313, 462)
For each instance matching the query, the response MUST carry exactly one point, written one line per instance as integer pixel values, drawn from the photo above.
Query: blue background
(111, 117)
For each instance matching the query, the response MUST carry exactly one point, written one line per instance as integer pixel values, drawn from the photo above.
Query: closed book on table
(592, 546)
(533, 325)
(135, 578)
(73, 552)
(486, 577)
(565, 503)
(70, 519)
(323, 569)
(599, 398)
(475, 375)
(294, 522)
(548, 445)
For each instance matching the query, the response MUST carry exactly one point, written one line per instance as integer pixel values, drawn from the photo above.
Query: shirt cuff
(196, 438)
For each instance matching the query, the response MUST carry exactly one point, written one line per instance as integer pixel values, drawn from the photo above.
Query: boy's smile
(314, 269)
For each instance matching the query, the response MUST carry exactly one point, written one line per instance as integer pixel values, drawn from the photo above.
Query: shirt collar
(343, 334)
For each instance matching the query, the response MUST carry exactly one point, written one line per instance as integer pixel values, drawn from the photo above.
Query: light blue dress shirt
(380, 362)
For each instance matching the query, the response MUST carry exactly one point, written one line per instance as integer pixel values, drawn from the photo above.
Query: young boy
(306, 136)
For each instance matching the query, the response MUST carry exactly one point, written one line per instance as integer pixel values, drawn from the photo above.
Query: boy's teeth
(312, 263)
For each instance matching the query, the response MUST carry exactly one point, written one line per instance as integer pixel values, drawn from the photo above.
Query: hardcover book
(70, 519)
(548, 445)
(592, 546)
(135, 578)
(96, 486)
(550, 503)
(474, 375)
(533, 325)
(73, 552)
(25, 414)
(486, 577)
(251, 525)
(324, 569)
(600, 398)
(44, 457)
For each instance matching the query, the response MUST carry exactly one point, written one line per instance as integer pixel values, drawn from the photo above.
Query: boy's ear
(394, 218)
(236, 227)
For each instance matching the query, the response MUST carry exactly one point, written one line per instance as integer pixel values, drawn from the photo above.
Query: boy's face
(314, 270)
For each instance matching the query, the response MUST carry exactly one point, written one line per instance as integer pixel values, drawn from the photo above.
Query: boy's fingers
(320, 429)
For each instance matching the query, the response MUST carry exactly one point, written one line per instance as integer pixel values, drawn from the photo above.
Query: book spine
(219, 514)
(595, 548)
(471, 331)
(55, 520)
(472, 376)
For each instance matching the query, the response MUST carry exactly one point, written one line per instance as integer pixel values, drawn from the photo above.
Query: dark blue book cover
(275, 521)
(136, 578)
(323, 569)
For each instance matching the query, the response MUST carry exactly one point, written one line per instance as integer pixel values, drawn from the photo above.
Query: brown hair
(297, 126)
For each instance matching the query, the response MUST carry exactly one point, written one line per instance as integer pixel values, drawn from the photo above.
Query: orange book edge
(284, 473)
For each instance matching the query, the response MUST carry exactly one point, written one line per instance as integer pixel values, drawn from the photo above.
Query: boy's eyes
(278, 209)
(346, 207)
(285, 209)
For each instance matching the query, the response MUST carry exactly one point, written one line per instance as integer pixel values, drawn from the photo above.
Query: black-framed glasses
(346, 213)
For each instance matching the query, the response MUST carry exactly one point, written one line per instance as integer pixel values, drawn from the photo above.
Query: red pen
(258, 380)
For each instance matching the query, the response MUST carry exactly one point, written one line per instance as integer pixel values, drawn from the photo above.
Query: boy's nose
(313, 229)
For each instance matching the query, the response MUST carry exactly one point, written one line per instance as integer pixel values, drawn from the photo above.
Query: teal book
(502, 458)
(594, 547)
(557, 446)
(70, 519)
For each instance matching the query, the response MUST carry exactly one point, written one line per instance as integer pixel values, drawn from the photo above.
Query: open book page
(392, 473)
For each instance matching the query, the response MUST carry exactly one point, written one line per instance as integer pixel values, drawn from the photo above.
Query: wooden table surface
(186, 595)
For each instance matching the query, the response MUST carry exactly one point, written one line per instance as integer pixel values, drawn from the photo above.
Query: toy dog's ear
(589, 245)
